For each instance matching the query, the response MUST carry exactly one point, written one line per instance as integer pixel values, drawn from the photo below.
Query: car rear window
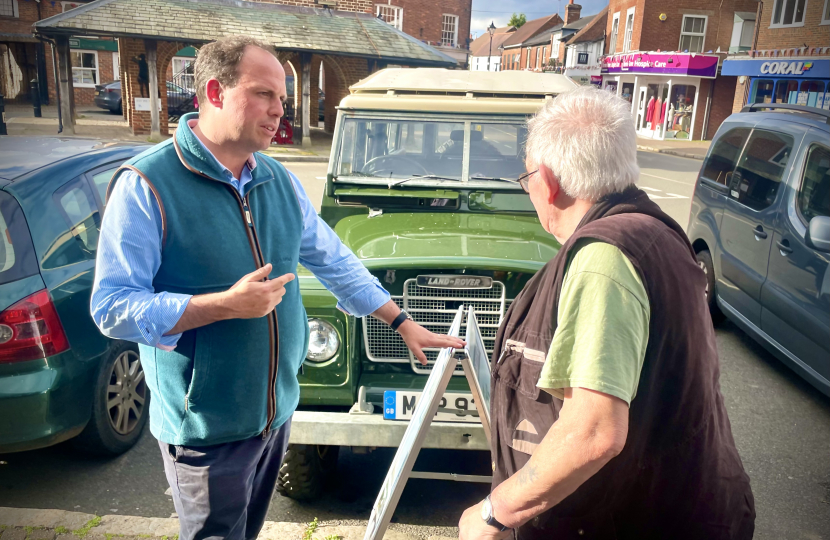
(17, 255)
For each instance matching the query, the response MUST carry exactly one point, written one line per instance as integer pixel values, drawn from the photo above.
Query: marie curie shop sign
(685, 64)
(798, 67)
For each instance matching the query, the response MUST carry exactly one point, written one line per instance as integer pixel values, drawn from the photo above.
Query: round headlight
(323, 341)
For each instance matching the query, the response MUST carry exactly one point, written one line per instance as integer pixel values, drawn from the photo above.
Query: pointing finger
(282, 280)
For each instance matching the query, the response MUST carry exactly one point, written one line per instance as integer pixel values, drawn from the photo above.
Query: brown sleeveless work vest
(679, 475)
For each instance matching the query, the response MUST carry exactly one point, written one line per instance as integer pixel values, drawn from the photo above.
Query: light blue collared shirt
(124, 304)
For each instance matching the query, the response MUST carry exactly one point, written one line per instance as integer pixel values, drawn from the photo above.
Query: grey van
(760, 224)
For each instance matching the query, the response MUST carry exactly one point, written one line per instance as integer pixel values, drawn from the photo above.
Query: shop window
(615, 28)
(761, 168)
(391, 14)
(692, 34)
(681, 109)
(763, 91)
(809, 93)
(786, 92)
(449, 30)
(582, 58)
(8, 8)
(628, 92)
(788, 13)
(723, 158)
(814, 193)
(629, 30)
(84, 68)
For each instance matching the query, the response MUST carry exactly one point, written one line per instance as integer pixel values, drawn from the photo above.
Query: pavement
(101, 124)
(36, 524)
(686, 149)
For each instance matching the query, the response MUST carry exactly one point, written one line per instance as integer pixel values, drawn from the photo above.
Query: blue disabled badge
(389, 400)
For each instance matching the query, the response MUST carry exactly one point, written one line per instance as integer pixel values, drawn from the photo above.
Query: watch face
(486, 510)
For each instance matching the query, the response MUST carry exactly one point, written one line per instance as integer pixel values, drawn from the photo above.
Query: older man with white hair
(607, 416)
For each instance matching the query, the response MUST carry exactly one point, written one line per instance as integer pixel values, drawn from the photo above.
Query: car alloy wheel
(702, 266)
(126, 393)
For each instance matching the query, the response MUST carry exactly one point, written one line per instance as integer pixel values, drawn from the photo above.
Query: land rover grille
(434, 309)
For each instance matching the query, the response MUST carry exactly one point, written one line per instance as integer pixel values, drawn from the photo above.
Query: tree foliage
(517, 20)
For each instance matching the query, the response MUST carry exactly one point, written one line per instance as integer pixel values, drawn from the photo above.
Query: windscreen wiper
(420, 177)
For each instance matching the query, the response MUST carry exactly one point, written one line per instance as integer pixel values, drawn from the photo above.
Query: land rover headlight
(323, 341)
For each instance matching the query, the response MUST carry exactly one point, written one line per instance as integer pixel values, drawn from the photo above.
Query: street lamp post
(491, 30)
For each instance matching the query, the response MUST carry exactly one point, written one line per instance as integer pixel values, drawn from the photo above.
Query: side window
(101, 180)
(722, 160)
(761, 169)
(814, 193)
(79, 210)
(17, 254)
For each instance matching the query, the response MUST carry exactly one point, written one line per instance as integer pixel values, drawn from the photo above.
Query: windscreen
(405, 148)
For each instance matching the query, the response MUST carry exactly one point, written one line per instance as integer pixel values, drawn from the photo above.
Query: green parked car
(59, 377)
(419, 187)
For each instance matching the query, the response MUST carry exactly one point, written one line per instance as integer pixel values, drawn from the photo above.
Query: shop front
(793, 80)
(663, 89)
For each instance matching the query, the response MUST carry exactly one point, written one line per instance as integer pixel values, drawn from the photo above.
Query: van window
(814, 193)
(17, 254)
(724, 156)
(761, 169)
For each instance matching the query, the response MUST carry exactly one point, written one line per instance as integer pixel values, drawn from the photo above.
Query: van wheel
(120, 406)
(305, 469)
(704, 260)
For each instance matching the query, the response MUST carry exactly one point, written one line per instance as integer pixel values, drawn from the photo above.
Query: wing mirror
(818, 234)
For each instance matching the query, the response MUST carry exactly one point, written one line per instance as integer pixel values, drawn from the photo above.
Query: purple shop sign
(692, 65)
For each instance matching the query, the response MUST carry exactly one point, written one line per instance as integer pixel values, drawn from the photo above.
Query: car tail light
(110, 90)
(31, 329)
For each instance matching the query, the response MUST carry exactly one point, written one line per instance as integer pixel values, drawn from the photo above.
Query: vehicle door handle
(784, 247)
(759, 233)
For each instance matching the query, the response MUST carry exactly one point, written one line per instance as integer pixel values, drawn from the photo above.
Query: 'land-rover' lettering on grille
(455, 282)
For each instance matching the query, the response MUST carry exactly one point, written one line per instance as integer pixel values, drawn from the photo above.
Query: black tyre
(119, 110)
(120, 406)
(704, 260)
(305, 469)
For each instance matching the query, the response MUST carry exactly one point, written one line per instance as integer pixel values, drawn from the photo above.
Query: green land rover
(418, 187)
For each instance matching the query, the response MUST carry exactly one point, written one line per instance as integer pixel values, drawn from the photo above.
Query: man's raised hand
(254, 295)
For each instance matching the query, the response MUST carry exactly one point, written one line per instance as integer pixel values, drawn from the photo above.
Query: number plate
(454, 407)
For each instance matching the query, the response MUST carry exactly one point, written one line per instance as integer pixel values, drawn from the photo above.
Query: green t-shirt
(600, 342)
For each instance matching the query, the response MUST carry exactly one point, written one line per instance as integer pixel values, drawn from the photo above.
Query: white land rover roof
(456, 91)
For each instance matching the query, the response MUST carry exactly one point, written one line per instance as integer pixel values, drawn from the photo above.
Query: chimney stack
(572, 12)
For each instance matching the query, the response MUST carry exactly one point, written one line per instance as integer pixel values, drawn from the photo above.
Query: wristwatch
(487, 515)
(399, 320)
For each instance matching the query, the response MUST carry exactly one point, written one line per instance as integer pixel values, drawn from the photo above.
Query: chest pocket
(527, 413)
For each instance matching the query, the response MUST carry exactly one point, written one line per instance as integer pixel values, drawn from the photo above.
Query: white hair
(586, 138)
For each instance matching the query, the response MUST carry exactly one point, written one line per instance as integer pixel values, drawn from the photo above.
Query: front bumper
(344, 429)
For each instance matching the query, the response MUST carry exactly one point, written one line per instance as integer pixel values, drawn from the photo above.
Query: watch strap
(402, 316)
(492, 521)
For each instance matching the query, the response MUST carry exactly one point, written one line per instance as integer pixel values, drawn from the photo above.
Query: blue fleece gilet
(214, 386)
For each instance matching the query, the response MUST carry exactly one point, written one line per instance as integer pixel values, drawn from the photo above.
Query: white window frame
(527, 58)
(444, 42)
(702, 35)
(783, 4)
(825, 15)
(397, 20)
(97, 69)
(554, 52)
(116, 67)
(538, 58)
(615, 33)
(179, 60)
(15, 12)
(629, 30)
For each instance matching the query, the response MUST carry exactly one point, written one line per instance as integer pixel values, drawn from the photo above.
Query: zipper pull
(247, 212)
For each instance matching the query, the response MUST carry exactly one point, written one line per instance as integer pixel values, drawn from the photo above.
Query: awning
(302, 29)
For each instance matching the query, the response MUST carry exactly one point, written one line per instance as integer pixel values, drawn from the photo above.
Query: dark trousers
(223, 491)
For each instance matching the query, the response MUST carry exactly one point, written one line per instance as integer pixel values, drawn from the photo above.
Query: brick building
(443, 24)
(665, 60)
(349, 44)
(515, 54)
(789, 61)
